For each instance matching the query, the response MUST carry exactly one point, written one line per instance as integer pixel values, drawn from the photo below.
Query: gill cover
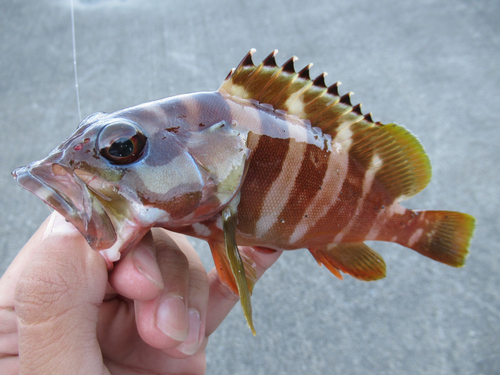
(220, 155)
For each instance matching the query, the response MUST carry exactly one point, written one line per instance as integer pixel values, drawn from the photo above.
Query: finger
(57, 303)
(163, 322)
(186, 282)
(197, 300)
(222, 299)
(138, 276)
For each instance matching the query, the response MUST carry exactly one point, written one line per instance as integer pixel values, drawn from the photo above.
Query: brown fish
(272, 160)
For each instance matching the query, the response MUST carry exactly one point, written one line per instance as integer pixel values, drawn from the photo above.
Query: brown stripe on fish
(266, 163)
(177, 205)
(369, 207)
(341, 160)
(276, 198)
(341, 208)
(318, 207)
(371, 193)
(301, 188)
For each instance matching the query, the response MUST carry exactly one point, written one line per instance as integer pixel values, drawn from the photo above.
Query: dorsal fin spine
(230, 74)
(270, 60)
(287, 68)
(357, 109)
(319, 81)
(368, 117)
(289, 65)
(304, 73)
(346, 99)
(334, 89)
(247, 60)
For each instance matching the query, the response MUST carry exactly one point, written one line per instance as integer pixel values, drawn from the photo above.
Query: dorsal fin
(402, 164)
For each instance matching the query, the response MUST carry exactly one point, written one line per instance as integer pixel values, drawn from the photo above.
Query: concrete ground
(431, 65)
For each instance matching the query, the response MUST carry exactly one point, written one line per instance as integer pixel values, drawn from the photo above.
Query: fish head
(120, 174)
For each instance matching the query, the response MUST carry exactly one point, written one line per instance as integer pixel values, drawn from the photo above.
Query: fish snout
(66, 193)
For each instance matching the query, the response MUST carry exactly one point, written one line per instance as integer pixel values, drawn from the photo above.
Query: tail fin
(443, 236)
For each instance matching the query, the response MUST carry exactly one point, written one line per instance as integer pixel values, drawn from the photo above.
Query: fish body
(272, 160)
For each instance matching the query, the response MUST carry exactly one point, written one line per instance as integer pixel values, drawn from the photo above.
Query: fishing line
(74, 59)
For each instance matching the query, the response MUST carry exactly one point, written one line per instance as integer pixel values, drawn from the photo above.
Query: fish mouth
(66, 193)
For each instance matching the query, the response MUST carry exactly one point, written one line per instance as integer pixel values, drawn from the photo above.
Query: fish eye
(121, 143)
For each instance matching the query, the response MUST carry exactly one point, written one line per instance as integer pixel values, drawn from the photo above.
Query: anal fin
(356, 259)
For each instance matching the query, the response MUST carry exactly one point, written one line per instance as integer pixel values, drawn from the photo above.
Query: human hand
(62, 312)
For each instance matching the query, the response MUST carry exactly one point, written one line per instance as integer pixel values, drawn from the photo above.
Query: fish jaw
(65, 192)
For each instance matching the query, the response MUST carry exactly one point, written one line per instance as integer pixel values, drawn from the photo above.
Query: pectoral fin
(356, 259)
(236, 263)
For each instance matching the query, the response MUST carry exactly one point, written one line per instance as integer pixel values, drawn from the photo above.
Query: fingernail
(58, 226)
(192, 342)
(171, 318)
(145, 261)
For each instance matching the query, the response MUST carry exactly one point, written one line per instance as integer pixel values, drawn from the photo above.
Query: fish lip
(66, 193)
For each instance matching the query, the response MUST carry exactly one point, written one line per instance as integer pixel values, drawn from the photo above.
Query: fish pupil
(121, 148)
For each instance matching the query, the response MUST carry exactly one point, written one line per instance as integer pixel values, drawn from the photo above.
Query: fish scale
(272, 159)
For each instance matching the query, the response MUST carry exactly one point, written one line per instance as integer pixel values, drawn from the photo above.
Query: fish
(273, 159)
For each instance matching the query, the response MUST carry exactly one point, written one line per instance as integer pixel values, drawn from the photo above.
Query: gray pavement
(430, 65)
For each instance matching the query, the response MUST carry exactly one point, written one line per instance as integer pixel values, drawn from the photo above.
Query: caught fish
(272, 160)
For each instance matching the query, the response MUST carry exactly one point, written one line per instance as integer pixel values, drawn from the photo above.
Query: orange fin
(224, 269)
(356, 259)
(397, 157)
(443, 236)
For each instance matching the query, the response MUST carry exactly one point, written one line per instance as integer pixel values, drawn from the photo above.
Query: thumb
(57, 303)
